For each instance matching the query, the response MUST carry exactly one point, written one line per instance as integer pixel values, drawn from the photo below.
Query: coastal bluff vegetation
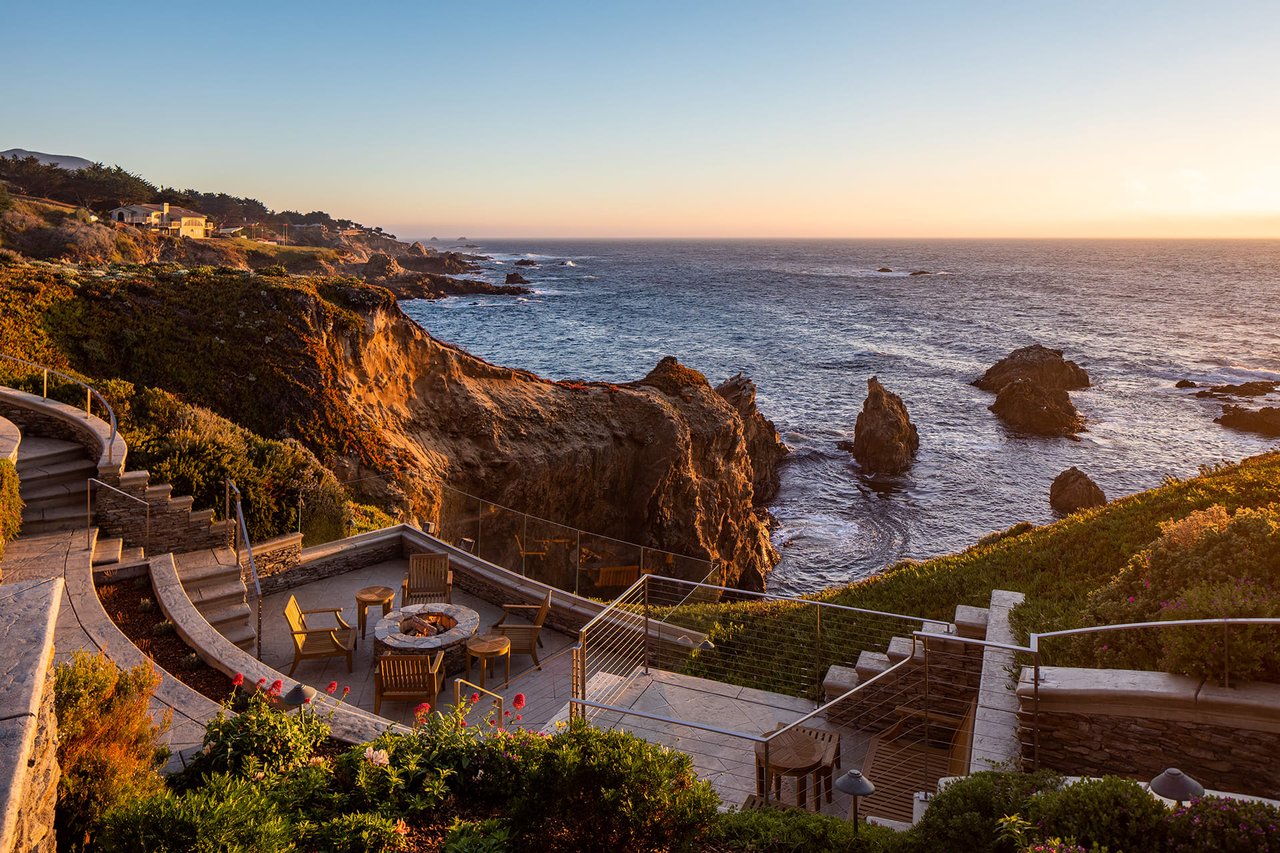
(332, 365)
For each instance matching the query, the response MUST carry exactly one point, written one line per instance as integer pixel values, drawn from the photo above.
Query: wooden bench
(912, 755)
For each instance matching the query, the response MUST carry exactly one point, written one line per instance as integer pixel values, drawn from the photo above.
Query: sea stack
(516, 278)
(884, 439)
(1046, 367)
(1030, 407)
(1072, 490)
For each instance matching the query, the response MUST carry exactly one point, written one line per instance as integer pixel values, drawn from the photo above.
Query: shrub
(788, 830)
(392, 775)
(226, 815)
(1224, 825)
(356, 832)
(622, 792)
(273, 270)
(1111, 811)
(260, 738)
(966, 814)
(108, 746)
(483, 836)
(10, 503)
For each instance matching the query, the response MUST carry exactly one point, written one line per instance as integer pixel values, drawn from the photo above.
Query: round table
(485, 648)
(368, 597)
(791, 753)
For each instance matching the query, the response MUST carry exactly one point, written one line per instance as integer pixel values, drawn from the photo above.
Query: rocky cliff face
(666, 461)
(763, 445)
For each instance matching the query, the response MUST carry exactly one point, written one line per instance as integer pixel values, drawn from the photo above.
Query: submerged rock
(884, 439)
(1028, 406)
(1264, 421)
(921, 272)
(1256, 388)
(525, 262)
(1185, 383)
(1072, 490)
(516, 278)
(1044, 366)
(884, 269)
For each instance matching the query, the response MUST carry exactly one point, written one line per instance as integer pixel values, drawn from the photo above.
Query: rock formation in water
(1185, 383)
(516, 278)
(1072, 490)
(884, 269)
(525, 262)
(763, 445)
(1264, 421)
(1028, 406)
(884, 439)
(920, 272)
(1046, 367)
(1257, 388)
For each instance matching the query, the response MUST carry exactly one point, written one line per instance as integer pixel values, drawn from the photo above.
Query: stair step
(38, 450)
(901, 648)
(212, 596)
(37, 528)
(58, 514)
(871, 664)
(56, 472)
(201, 567)
(36, 490)
(107, 551)
(226, 615)
(242, 635)
(971, 621)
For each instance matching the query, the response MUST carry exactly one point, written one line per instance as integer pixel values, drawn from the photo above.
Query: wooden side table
(368, 597)
(792, 753)
(485, 648)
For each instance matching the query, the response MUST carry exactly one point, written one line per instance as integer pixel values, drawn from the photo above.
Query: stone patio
(546, 691)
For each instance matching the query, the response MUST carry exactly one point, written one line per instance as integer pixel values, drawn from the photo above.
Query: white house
(175, 221)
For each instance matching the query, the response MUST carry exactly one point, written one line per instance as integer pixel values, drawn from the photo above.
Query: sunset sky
(682, 119)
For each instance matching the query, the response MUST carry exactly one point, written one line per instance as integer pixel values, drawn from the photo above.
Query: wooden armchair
(430, 580)
(524, 637)
(311, 642)
(408, 678)
(913, 754)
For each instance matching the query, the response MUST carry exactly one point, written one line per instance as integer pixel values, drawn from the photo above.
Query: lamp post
(299, 695)
(856, 785)
(1175, 785)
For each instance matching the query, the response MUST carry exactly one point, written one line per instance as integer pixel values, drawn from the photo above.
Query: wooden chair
(528, 552)
(408, 678)
(430, 580)
(524, 637)
(912, 755)
(824, 776)
(617, 576)
(310, 642)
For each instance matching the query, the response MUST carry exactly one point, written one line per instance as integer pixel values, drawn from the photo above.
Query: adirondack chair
(912, 755)
(430, 580)
(524, 636)
(312, 642)
(408, 678)
(617, 576)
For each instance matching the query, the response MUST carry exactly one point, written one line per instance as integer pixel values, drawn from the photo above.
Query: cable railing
(248, 572)
(90, 395)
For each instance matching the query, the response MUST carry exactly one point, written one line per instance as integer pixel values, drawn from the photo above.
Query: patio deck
(546, 691)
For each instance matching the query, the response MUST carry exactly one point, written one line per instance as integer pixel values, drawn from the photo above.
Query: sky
(685, 119)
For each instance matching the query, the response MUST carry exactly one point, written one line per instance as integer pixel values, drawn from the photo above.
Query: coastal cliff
(665, 461)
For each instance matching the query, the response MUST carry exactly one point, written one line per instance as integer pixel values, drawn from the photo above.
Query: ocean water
(810, 321)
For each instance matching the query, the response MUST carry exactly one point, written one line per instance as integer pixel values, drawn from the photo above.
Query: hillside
(62, 161)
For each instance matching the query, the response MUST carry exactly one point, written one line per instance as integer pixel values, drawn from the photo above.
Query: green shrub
(108, 745)
(273, 270)
(10, 503)
(482, 836)
(225, 815)
(1224, 825)
(1111, 811)
(966, 814)
(622, 792)
(394, 775)
(260, 738)
(356, 832)
(792, 830)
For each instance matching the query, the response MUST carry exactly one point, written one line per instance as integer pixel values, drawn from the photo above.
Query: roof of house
(174, 210)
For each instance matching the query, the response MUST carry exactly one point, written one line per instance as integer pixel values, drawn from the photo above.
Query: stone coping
(1254, 706)
(276, 543)
(96, 432)
(387, 631)
(349, 724)
(10, 438)
(995, 724)
(28, 618)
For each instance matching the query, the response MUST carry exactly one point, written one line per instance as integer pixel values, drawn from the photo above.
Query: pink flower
(422, 710)
(518, 702)
(238, 680)
(332, 688)
(475, 697)
(276, 687)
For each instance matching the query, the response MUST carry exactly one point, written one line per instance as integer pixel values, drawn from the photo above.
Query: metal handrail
(253, 566)
(146, 533)
(797, 600)
(658, 717)
(476, 688)
(1034, 639)
(90, 393)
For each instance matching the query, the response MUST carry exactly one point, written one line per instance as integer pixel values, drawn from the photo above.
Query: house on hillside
(165, 218)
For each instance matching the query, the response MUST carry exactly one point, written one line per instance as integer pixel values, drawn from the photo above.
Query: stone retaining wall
(29, 770)
(274, 557)
(1093, 722)
(327, 560)
(58, 420)
(171, 527)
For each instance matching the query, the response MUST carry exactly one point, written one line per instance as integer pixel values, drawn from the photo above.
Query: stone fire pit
(395, 633)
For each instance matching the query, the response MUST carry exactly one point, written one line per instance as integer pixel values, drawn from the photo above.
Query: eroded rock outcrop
(763, 444)
(1073, 490)
(1264, 421)
(884, 439)
(382, 266)
(1046, 367)
(1028, 406)
(516, 278)
(1257, 388)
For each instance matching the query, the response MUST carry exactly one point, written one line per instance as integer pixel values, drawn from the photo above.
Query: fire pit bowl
(424, 629)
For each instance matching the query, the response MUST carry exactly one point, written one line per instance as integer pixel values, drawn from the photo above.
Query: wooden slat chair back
(525, 637)
(408, 678)
(902, 761)
(310, 642)
(430, 580)
(617, 576)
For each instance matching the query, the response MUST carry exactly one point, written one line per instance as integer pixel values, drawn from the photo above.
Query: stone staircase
(53, 482)
(211, 578)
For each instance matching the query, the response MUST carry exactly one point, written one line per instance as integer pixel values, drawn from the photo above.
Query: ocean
(810, 321)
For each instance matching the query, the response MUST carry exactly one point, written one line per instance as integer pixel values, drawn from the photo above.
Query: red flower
(506, 713)
(475, 697)
(345, 691)
(262, 681)
(332, 688)
(238, 680)
(464, 724)
(276, 686)
(422, 710)
(518, 702)
(519, 717)
(306, 700)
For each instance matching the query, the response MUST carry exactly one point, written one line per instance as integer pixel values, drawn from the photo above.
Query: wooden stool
(369, 596)
(486, 647)
(791, 753)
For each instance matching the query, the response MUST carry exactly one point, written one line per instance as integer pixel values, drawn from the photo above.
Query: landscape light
(856, 785)
(1175, 785)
